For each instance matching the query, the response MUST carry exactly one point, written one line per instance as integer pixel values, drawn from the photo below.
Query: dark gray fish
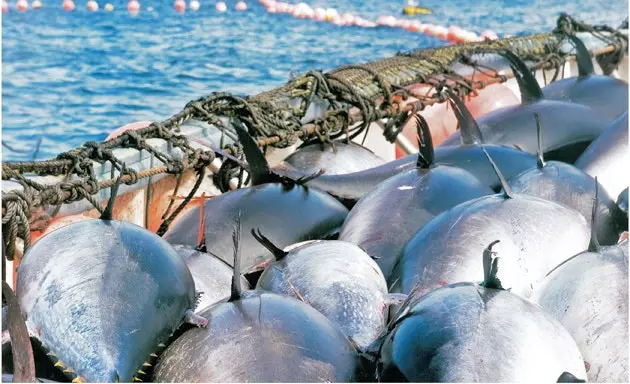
(212, 276)
(567, 185)
(286, 211)
(258, 336)
(607, 157)
(468, 332)
(622, 204)
(101, 295)
(338, 279)
(535, 236)
(467, 156)
(335, 159)
(569, 127)
(588, 294)
(385, 219)
(606, 95)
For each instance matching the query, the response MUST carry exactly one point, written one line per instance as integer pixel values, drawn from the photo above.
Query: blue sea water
(70, 77)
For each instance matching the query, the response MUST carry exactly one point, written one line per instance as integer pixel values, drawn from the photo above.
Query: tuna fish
(607, 157)
(469, 332)
(535, 234)
(385, 219)
(588, 294)
(212, 276)
(606, 95)
(258, 336)
(467, 156)
(565, 184)
(101, 295)
(335, 277)
(334, 158)
(568, 130)
(287, 211)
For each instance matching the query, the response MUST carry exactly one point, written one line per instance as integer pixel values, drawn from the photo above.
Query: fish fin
(107, 213)
(594, 246)
(491, 268)
(426, 153)
(468, 128)
(198, 296)
(237, 287)
(507, 191)
(278, 253)
(539, 152)
(583, 58)
(306, 178)
(258, 167)
(567, 377)
(529, 87)
(396, 298)
(192, 318)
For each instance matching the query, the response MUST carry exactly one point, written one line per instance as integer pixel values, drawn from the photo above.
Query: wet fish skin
(262, 337)
(567, 185)
(464, 332)
(588, 294)
(535, 236)
(341, 159)
(339, 280)
(287, 215)
(385, 219)
(212, 276)
(607, 157)
(101, 294)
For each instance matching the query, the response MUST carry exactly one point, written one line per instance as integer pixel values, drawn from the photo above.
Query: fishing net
(355, 96)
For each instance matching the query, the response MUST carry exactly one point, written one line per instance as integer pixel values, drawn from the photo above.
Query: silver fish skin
(467, 333)
(535, 235)
(588, 294)
(339, 280)
(607, 157)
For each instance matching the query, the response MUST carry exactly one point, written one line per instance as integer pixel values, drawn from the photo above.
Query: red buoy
(92, 6)
(22, 5)
(68, 5)
(133, 6)
(180, 5)
(5, 6)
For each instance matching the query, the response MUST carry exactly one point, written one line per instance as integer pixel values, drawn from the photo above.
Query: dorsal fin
(527, 83)
(426, 153)
(237, 287)
(491, 267)
(278, 253)
(258, 166)
(507, 191)
(469, 130)
(539, 151)
(594, 245)
(583, 58)
(109, 209)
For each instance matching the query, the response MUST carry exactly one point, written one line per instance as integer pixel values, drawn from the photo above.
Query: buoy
(193, 5)
(68, 5)
(220, 6)
(128, 127)
(348, 19)
(180, 5)
(319, 14)
(387, 21)
(36, 4)
(455, 33)
(272, 8)
(22, 5)
(92, 6)
(241, 6)
(133, 6)
(332, 14)
(109, 7)
(5, 6)
(489, 34)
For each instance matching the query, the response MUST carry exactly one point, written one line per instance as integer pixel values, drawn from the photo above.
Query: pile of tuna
(499, 256)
